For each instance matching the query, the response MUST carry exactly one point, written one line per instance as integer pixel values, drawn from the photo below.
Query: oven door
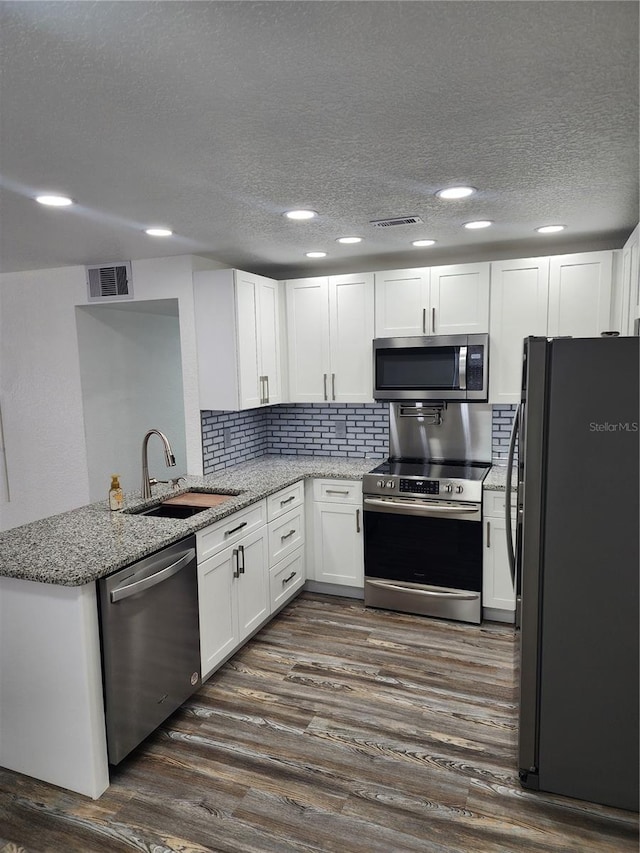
(423, 557)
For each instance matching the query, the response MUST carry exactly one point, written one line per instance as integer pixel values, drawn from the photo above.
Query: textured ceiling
(215, 117)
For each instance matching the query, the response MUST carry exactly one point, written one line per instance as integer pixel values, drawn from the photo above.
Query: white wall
(131, 372)
(40, 386)
(41, 394)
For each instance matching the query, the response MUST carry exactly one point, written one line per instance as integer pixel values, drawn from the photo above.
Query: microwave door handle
(462, 368)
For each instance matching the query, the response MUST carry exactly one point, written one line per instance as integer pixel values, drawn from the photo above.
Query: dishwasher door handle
(152, 580)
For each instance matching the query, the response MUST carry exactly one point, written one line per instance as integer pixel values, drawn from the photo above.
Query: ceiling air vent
(395, 220)
(109, 282)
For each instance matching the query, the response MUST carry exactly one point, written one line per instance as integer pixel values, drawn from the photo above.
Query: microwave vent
(109, 282)
(396, 220)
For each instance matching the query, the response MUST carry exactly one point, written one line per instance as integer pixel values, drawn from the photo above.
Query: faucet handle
(175, 482)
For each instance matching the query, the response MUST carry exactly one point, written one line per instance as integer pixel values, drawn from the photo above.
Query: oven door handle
(463, 596)
(421, 507)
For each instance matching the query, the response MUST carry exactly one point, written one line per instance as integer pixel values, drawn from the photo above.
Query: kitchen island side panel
(51, 706)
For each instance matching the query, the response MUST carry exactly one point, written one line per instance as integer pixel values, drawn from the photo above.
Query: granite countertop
(495, 481)
(80, 546)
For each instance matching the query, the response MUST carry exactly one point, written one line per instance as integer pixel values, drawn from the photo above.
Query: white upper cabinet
(580, 294)
(402, 302)
(519, 302)
(238, 339)
(308, 337)
(446, 300)
(330, 325)
(351, 325)
(460, 299)
(555, 296)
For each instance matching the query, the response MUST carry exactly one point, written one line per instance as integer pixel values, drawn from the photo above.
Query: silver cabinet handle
(337, 491)
(424, 321)
(288, 500)
(464, 596)
(357, 521)
(488, 534)
(146, 583)
(241, 554)
(235, 559)
(433, 320)
(290, 578)
(325, 386)
(333, 386)
(266, 396)
(287, 535)
(235, 529)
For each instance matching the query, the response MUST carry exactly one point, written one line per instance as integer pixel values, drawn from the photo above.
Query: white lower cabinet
(498, 595)
(338, 553)
(233, 582)
(287, 564)
(286, 578)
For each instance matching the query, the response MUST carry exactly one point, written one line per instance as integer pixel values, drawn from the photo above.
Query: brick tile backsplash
(501, 422)
(315, 429)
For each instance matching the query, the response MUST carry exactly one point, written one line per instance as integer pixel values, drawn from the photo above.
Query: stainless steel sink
(169, 511)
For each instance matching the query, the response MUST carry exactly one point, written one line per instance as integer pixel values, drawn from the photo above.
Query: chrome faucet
(170, 459)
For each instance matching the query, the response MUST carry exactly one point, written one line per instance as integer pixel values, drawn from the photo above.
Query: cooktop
(433, 470)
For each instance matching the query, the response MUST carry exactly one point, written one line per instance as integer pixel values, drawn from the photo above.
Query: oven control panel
(420, 487)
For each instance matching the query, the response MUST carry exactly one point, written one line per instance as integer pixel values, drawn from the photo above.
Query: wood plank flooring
(335, 729)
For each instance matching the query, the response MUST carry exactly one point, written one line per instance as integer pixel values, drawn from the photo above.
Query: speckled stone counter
(85, 544)
(495, 481)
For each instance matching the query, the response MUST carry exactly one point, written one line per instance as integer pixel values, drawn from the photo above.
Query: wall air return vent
(109, 282)
(395, 220)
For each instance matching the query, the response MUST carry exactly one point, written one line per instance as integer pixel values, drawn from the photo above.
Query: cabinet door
(460, 299)
(351, 325)
(497, 588)
(308, 336)
(402, 303)
(247, 312)
(269, 327)
(253, 584)
(338, 548)
(580, 294)
(519, 298)
(217, 608)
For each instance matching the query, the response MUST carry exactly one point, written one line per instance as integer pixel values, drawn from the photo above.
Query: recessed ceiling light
(423, 242)
(54, 200)
(550, 229)
(479, 223)
(158, 232)
(456, 192)
(349, 240)
(316, 254)
(301, 214)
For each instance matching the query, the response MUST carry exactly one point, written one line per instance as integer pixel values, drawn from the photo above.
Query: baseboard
(334, 589)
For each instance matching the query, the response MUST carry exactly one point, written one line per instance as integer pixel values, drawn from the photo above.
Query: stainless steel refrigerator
(576, 567)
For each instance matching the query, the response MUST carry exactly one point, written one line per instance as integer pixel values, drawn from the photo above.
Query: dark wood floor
(335, 729)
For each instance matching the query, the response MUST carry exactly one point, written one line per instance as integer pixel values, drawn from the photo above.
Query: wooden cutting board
(197, 499)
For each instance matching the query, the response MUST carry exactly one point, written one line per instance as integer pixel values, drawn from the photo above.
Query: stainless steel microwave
(440, 367)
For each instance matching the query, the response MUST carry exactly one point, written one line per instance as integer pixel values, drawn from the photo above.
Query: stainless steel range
(422, 516)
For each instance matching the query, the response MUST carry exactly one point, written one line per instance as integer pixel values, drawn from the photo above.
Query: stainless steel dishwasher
(150, 643)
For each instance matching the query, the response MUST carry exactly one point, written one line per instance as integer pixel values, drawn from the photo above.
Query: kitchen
(48, 443)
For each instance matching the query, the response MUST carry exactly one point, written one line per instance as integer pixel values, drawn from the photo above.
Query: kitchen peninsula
(51, 705)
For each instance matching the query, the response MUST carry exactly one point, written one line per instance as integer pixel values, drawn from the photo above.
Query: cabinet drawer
(286, 578)
(338, 491)
(285, 535)
(227, 531)
(494, 503)
(285, 500)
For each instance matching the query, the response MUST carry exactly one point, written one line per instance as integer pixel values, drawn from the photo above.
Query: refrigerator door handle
(507, 498)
